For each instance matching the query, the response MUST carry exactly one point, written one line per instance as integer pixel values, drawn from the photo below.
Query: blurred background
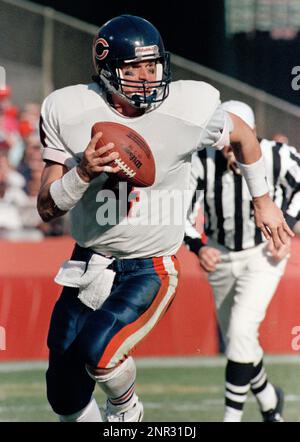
(250, 51)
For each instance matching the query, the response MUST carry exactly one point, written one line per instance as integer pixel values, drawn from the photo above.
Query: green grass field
(172, 390)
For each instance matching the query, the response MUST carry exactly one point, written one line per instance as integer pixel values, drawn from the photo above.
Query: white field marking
(159, 362)
(206, 361)
(7, 367)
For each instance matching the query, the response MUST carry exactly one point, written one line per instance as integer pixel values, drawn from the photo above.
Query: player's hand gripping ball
(135, 157)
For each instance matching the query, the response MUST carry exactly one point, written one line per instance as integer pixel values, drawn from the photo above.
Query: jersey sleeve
(53, 146)
(217, 132)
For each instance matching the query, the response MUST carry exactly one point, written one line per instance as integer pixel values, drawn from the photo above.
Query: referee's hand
(279, 254)
(270, 220)
(209, 257)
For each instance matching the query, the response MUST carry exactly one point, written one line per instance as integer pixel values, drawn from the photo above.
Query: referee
(243, 269)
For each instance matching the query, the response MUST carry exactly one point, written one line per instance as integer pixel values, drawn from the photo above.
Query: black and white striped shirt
(226, 201)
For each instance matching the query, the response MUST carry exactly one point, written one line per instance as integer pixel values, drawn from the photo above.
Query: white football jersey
(152, 222)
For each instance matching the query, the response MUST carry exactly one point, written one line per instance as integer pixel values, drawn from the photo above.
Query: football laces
(126, 169)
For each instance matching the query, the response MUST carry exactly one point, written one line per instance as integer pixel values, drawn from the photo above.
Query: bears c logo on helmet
(101, 48)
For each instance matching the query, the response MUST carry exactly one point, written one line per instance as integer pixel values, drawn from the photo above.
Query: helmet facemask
(143, 94)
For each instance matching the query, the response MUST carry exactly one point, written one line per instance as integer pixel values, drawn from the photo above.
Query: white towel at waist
(94, 284)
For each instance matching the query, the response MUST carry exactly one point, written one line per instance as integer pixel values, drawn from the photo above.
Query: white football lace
(129, 172)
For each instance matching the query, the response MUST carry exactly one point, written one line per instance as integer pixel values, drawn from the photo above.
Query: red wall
(28, 293)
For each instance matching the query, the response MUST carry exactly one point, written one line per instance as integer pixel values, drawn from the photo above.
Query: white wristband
(68, 190)
(255, 176)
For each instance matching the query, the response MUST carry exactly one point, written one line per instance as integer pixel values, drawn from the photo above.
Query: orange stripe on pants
(130, 329)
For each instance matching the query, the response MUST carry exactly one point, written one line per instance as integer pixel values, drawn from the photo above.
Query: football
(136, 160)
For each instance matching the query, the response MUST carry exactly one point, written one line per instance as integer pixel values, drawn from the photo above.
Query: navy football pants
(143, 290)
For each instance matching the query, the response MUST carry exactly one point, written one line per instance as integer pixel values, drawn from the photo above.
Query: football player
(243, 269)
(122, 278)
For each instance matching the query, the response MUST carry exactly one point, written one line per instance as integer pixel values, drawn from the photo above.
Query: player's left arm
(268, 217)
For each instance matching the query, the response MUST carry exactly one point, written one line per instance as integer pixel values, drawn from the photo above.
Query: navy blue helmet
(127, 39)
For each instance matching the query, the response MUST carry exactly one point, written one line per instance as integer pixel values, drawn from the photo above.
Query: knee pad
(113, 382)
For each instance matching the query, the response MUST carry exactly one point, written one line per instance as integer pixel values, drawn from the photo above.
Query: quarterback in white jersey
(173, 131)
(122, 277)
